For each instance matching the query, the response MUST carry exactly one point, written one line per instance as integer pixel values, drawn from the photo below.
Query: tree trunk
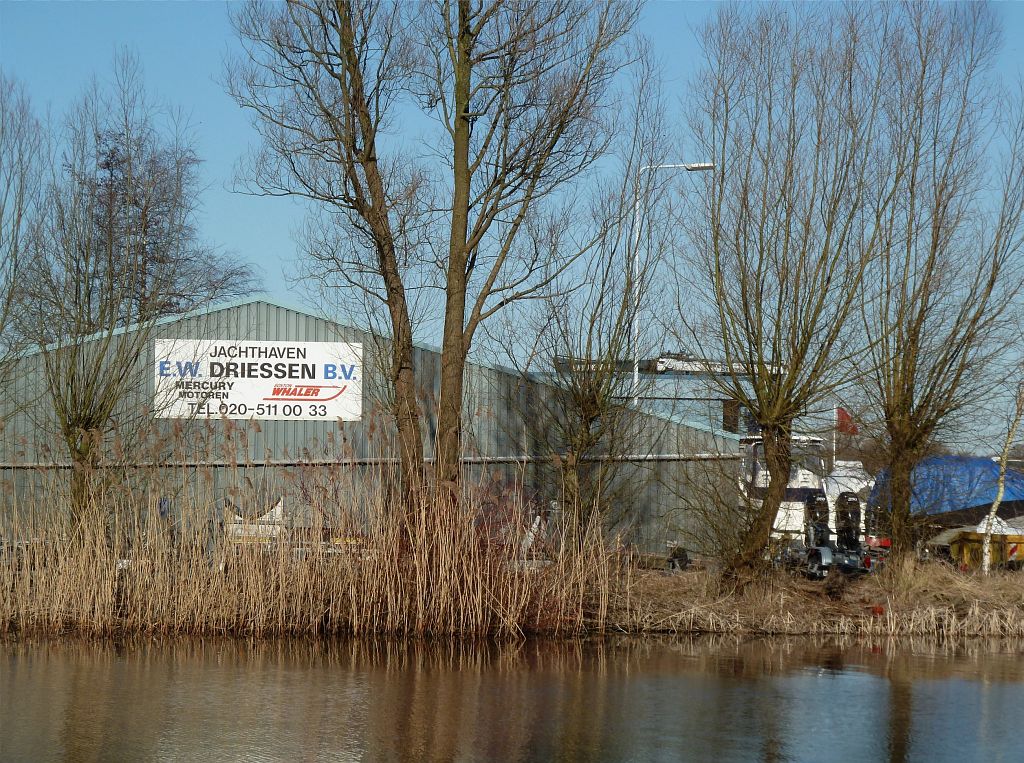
(1004, 457)
(375, 212)
(407, 419)
(448, 448)
(777, 451)
(901, 530)
(986, 542)
(82, 471)
(403, 373)
(79, 493)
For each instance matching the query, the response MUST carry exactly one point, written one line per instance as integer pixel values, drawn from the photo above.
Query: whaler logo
(305, 392)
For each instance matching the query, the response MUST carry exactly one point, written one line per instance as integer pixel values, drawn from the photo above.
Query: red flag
(845, 423)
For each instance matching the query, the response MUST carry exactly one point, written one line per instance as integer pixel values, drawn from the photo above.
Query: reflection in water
(708, 699)
(901, 694)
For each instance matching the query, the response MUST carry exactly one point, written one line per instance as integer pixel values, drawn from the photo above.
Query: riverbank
(916, 599)
(463, 571)
(448, 585)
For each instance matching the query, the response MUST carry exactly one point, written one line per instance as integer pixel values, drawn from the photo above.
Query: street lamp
(635, 268)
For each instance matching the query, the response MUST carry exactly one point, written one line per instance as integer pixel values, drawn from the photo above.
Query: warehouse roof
(169, 319)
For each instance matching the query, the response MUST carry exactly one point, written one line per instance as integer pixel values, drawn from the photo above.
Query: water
(700, 700)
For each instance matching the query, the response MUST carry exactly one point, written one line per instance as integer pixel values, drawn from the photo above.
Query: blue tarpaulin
(941, 484)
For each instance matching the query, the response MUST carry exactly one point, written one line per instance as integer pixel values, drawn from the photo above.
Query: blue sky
(56, 48)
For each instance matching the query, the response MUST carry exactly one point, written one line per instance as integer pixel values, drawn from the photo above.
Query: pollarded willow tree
(789, 107)
(111, 244)
(944, 290)
(442, 144)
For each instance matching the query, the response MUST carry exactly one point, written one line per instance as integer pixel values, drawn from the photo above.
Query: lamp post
(635, 264)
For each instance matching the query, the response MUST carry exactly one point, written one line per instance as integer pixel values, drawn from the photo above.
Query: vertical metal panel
(502, 418)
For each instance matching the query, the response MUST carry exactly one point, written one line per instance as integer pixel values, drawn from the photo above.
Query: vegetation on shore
(837, 250)
(466, 572)
(907, 599)
(348, 563)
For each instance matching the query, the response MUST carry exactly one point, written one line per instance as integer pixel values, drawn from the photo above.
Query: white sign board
(242, 379)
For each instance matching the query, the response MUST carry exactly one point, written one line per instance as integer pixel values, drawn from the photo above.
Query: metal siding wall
(664, 491)
(27, 428)
(23, 438)
(505, 416)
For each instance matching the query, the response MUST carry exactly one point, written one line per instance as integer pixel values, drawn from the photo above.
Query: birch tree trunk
(1004, 456)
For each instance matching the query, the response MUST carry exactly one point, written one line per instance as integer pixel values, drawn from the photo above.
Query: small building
(300, 444)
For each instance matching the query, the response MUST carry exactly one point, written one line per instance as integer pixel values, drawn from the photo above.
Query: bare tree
(788, 107)
(322, 81)
(113, 246)
(581, 339)
(520, 94)
(21, 149)
(520, 88)
(580, 335)
(948, 276)
(152, 235)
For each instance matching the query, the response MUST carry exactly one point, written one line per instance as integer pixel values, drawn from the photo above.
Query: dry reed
(153, 555)
(434, 576)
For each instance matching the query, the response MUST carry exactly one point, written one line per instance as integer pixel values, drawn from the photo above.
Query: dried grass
(907, 599)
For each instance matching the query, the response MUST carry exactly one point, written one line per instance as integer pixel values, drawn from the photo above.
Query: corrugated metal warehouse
(508, 443)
